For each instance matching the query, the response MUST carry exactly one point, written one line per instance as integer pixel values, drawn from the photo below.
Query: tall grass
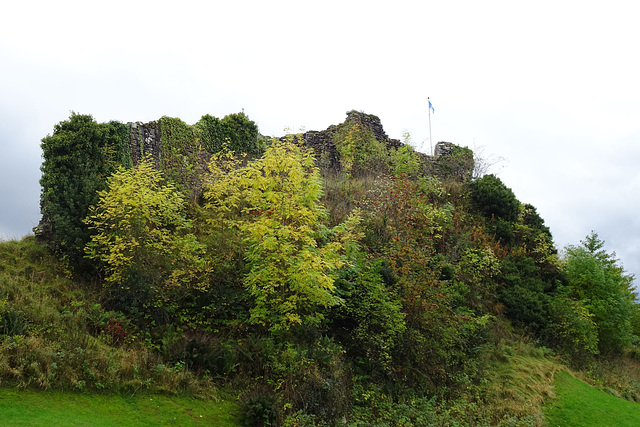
(618, 375)
(516, 379)
(54, 334)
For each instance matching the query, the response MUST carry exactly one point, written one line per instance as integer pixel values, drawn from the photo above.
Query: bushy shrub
(494, 199)
(307, 376)
(313, 377)
(373, 406)
(12, 321)
(260, 408)
(572, 330)
(370, 321)
(134, 297)
(78, 157)
(237, 131)
(524, 293)
(526, 305)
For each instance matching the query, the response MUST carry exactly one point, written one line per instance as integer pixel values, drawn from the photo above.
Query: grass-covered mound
(325, 278)
(54, 334)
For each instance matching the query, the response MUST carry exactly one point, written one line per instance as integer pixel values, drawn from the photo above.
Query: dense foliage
(381, 291)
(292, 256)
(78, 158)
(601, 285)
(143, 242)
(237, 131)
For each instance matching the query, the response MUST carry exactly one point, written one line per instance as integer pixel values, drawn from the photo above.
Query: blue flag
(431, 106)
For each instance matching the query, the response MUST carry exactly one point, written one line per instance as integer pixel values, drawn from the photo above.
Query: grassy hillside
(327, 277)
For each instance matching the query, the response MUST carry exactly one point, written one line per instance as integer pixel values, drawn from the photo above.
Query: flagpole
(430, 141)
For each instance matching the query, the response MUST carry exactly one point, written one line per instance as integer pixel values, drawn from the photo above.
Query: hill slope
(329, 275)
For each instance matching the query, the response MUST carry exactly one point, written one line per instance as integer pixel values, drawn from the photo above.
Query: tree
(604, 288)
(571, 329)
(241, 132)
(237, 131)
(140, 233)
(211, 133)
(78, 157)
(494, 199)
(293, 258)
(497, 203)
(371, 321)
(524, 292)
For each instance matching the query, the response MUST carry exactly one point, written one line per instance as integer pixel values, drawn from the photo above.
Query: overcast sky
(551, 86)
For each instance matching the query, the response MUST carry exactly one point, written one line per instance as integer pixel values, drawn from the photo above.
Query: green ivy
(359, 149)
(494, 199)
(236, 130)
(457, 165)
(180, 152)
(78, 157)
(210, 131)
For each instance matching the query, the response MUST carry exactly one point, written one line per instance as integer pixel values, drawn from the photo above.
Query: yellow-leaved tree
(139, 229)
(274, 202)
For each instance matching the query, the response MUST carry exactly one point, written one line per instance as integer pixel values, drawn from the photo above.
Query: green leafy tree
(235, 132)
(494, 199)
(477, 269)
(211, 133)
(78, 157)
(405, 159)
(274, 204)
(139, 232)
(535, 239)
(604, 288)
(242, 133)
(371, 321)
(524, 292)
(572, 329)
(498, 204)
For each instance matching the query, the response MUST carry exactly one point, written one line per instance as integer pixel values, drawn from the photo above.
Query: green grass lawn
(579, 404)
(48, 408)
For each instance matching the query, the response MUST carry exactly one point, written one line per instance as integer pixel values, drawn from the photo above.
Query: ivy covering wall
(78, 157)
(81, 153)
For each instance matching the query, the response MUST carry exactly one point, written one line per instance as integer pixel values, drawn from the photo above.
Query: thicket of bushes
(375, 294)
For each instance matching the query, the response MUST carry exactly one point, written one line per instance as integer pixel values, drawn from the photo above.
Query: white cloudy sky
(551, 86)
